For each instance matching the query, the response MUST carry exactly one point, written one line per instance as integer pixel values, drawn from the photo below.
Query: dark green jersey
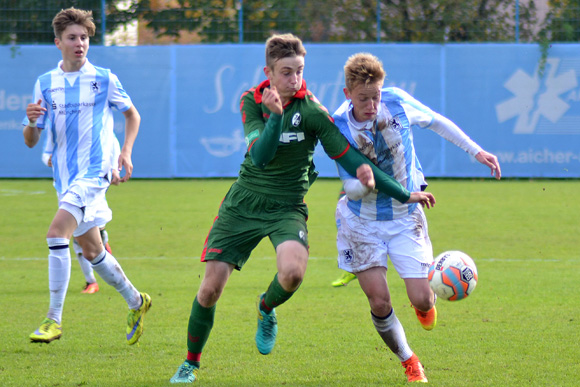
(304, 122)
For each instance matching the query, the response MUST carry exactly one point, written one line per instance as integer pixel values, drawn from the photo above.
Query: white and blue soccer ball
(453, 275)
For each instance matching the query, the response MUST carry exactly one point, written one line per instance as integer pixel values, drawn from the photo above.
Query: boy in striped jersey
(371, 225)
(74, 102)
(283, 121)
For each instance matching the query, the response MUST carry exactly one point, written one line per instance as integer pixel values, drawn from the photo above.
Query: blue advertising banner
(502, 95)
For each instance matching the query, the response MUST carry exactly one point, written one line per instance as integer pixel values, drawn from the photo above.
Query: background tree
(217, 21)
(563, 21)
(29, 21)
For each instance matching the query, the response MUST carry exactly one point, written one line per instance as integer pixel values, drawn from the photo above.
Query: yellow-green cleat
(344, 279)
(135, 320)
(48, 331)
(186, 373)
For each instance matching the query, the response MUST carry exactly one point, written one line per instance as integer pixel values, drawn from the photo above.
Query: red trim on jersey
(250, 147)
(247, 92)
(258, 90)
(343, 153)
(300, 94)
(207, 237)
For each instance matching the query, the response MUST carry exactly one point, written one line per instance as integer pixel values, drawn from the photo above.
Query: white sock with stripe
(111, 272)
(58, 275)
(393, 334)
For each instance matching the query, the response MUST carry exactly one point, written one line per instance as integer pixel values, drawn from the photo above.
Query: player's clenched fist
(272, 100)
(34, 110)
(365, 175)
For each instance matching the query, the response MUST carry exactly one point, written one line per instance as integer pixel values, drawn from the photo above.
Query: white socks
(393, 334)
(87, 269)
(58, 275)
(111, 272)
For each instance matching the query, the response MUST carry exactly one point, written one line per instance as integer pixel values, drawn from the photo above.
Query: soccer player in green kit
(283, 121)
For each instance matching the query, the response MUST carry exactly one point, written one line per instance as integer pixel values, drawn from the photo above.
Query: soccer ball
(453, 275)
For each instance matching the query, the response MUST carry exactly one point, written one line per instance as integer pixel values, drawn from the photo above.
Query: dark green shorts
(245, 218)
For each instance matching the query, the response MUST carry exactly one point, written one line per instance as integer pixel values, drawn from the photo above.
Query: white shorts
(87, 195)
(363, 244)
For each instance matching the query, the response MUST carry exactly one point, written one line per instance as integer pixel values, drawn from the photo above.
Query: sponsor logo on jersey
(288, 137)
(56, 90)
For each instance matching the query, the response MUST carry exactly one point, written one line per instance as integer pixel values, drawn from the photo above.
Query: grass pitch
(520, 326)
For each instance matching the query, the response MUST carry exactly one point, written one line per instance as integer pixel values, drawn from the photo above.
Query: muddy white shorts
(85, 200)
(363, 244)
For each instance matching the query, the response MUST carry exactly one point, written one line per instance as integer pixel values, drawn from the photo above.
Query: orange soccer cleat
(414, 370)
(91, 288)
(427, 319)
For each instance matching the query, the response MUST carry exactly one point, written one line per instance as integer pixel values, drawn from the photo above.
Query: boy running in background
(74, 101)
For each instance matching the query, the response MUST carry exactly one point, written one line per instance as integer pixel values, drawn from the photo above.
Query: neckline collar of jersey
(84, 69)
(300, 94)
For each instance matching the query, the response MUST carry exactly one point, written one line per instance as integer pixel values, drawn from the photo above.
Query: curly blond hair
(363, 68)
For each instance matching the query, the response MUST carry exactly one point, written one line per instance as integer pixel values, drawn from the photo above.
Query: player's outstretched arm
(425, 198)
(132, 122)
(365, 176)
(491, 161)
(351, 159)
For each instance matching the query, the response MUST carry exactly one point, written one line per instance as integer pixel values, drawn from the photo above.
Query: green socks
(275, 295)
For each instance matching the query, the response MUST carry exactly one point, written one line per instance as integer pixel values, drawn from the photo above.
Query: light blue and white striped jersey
(80, 117)
(388, 143)
(48, 148)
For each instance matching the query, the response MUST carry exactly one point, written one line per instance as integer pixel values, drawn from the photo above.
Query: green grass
(520, 326)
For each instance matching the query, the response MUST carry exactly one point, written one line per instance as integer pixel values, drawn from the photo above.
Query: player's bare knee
(424, 302)
(380, 306)
(291, 278)
(208, 296)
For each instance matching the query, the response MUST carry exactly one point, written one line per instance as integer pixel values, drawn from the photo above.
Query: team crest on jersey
(347, 255)
(296, 119)
(394, 124)
(53, 105)
(95, 86)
